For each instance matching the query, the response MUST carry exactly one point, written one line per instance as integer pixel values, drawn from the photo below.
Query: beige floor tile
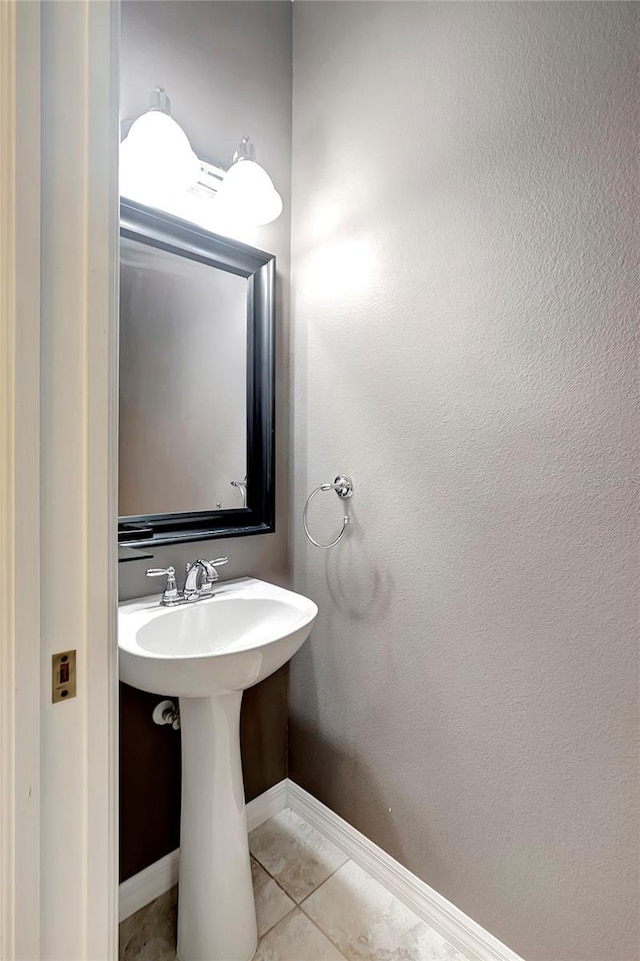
(272, 904)
(368, 923)
(294, 853)
(150, 933)
(296, 938)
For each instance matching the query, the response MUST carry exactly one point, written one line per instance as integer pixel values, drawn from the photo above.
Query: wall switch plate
(63, 676)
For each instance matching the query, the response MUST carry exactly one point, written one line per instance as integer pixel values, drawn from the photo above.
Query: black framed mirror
(197, 387)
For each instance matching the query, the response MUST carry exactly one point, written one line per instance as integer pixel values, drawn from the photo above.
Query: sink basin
(207, 653)
(228, 642)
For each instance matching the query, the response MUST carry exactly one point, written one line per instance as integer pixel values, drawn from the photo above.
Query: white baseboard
(162, 875)
(266, 805)
(452, 923)
(148, 885)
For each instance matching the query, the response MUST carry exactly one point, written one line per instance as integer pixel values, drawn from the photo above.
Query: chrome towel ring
(343, 486)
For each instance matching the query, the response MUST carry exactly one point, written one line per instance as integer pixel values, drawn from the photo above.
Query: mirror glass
(183, 384)
(197, 383)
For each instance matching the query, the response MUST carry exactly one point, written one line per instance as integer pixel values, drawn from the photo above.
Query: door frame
(20, 481)
(58, 481)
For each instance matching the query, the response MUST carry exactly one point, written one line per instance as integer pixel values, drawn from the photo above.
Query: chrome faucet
(193, 573)
(242, 487)
(199, 581)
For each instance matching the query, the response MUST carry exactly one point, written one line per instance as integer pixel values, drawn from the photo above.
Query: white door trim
(58, 477)
(101, 312)
(20, 480)
(80, 217)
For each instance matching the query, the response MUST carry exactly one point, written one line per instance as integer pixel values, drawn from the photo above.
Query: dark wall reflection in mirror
(197, 318)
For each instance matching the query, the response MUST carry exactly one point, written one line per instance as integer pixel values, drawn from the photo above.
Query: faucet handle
(210, 573)
(160, 571)
(170, 593)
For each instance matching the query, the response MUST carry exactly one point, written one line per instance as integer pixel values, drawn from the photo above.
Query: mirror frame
(158, 229)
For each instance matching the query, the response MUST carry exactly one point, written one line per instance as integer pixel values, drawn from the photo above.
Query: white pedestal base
(216, 909)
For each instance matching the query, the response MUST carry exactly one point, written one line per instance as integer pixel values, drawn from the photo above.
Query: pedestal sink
(207, 653)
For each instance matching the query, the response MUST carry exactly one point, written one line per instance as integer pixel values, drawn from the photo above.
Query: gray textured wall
(227, 68)
(464, 345)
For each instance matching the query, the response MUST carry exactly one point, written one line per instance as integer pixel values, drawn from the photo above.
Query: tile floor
(312, 903)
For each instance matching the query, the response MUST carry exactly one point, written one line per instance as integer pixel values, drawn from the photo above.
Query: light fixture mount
(160, 101)
(245, 151)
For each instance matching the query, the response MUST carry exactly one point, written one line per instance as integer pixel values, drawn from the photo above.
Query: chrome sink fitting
(199, 580)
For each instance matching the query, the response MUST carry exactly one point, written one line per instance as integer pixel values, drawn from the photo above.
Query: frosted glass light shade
(156, 159)
(247, 194)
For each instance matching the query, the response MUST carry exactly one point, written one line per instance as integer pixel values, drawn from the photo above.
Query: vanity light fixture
(247, 190)
(156, 158)
(159, 169)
